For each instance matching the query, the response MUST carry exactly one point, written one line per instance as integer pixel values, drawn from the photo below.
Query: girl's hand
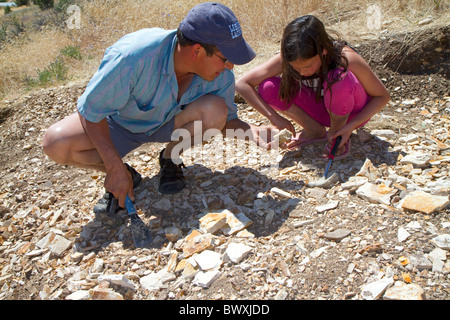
(282, 123)
(344, 132)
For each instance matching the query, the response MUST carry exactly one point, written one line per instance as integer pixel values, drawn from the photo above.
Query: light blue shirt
(136, 84)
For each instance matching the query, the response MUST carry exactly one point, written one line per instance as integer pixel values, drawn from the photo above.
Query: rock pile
(243, 228)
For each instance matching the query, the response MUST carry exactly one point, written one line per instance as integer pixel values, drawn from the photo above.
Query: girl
(323, 84)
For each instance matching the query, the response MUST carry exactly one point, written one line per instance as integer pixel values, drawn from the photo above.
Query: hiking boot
(172, 178)
(107, 211)
(135, 176)
(108, 204)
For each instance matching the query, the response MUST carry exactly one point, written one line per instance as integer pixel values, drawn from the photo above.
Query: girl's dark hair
(185, 41)
(304, 38)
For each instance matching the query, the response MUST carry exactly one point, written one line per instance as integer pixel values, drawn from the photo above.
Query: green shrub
(3, 33)
(44, 4)
(7, 10)
(62, 5)
(72, 52)
(20, 3)
(56, 71)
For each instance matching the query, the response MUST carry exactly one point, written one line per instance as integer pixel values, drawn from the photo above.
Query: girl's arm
(246, 87)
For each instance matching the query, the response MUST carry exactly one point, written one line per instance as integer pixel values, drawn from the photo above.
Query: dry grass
(262, 21)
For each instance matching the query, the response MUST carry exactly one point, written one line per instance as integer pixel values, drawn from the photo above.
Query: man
(149, 84)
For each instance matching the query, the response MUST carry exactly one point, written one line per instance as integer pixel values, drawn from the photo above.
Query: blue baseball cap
(214, 23)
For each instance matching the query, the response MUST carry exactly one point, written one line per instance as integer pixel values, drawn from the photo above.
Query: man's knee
(210, 110)
(63, 137)
(50, 142)
(214, 113)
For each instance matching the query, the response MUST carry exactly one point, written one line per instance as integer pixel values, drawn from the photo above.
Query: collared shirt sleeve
(228, 92)
(109, 89)
(136, 84)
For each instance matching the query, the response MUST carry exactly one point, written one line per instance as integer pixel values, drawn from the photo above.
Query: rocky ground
(246, 226)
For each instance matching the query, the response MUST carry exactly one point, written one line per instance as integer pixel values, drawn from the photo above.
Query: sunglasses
(225, 60)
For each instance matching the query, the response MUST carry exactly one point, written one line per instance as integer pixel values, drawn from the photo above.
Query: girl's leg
(344, 101)
(304, 110)
(347, 96)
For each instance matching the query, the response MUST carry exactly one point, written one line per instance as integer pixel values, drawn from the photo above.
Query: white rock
(439, 187)
(58, 245)
(438, 265)
(117, 279)
(419, 261)
(281, 295)
(376, 193)
(205, 279)
(403, 291)
(413, 226)
(337, 235)
(298, 224)
(437, 254)
(236, 252)
(97, 266)
(409, 138)
(383, 134)
(157, 280)
(316, 253)
(374, 290)
(354, 182)
(208, 260)
(329, 206)
(79, 295)
(45, 241)
(36, 252)
(235, 223)
(283, 136)
(402, 234)
(442, 241)
(281, 193)
(417, 159)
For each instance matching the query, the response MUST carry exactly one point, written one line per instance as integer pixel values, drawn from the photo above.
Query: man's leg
(66, 143)
(211, 111)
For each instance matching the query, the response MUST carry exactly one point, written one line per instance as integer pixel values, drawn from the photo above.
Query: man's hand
(118, 181)
(263, 136)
